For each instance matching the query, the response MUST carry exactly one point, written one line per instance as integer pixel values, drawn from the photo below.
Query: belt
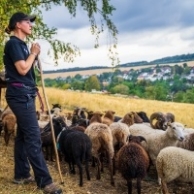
(21, 85)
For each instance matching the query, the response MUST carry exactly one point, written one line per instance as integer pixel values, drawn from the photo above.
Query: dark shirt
(16, 50)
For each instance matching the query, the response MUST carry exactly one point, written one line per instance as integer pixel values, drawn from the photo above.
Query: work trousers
(28, 146)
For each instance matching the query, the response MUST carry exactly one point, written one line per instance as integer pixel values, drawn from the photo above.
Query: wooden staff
(50, 118)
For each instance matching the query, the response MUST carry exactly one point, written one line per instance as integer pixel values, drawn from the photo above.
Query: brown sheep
(161, 120)
(133, 162)
(128, 119)
(9, 126)
(137, 118)
(102, 143)
(108, 117)
(96, 117)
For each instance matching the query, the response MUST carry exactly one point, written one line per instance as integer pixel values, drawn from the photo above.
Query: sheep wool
(175, 163)
(133, 162)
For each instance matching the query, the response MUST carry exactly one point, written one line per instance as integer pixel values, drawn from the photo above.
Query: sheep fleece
(132, 161)
(175, 163)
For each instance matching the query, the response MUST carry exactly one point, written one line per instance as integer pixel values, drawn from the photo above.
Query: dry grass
(69, 99)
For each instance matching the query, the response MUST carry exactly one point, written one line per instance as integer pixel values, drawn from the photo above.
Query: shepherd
(20, 96)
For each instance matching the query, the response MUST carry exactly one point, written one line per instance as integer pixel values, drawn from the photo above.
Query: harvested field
(70, 186)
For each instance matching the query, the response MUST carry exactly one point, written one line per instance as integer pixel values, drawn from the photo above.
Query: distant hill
(165, 60)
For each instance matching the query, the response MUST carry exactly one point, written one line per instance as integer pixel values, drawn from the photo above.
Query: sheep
(144, 116)
(78, 113)
(102, 142)
(174, 163)
(117, 118)
(96, 117)
(57, 105)
(137, 118)
(188, 142)
(108, 117)
(133, 162)
(161, 120)
(158, 139)
(46, 135)
(120, 132)
(8, 125)
(128, 119)
(76, 147)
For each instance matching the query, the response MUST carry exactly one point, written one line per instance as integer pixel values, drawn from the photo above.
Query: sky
(148, 30)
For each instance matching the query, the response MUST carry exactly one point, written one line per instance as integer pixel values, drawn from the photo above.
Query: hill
(100, 70)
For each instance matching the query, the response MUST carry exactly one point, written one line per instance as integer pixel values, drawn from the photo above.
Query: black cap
(18, 17)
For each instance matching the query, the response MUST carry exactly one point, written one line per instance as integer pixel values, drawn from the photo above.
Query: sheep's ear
(142, 139)
(129, 137)
(168, 123)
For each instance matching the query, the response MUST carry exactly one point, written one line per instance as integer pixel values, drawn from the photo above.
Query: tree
(60, 49)
(121, 89)
(92, 83)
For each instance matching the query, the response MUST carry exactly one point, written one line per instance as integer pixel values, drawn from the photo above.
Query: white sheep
(161, 139)
(175, 163)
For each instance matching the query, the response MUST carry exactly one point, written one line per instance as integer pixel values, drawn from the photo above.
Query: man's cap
(18, 17)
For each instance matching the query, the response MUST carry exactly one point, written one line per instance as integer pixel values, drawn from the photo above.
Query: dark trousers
(28, 146)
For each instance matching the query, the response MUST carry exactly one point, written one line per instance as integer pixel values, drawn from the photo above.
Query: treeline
(176, 88)
(169, 59)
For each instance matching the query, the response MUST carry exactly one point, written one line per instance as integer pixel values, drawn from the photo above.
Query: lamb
(76, 147)
(161, 120)
(133, 162)
(174, 163)
(102, 142)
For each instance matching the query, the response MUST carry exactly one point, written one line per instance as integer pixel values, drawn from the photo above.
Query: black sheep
(46, 135)
(133, 162)
(144, 116)
(76, 148)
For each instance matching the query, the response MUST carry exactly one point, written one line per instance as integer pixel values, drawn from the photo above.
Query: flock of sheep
(129, 144)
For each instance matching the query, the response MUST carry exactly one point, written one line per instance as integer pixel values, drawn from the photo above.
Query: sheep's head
(175, 131)
(128, 119)
(137, 118)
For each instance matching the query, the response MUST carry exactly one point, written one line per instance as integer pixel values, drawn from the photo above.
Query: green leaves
(60, 50)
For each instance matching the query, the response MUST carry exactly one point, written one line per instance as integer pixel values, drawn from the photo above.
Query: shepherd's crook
(51, 121)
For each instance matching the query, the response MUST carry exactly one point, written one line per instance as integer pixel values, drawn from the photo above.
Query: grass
(70, 99)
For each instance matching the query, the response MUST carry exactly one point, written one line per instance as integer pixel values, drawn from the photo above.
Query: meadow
(69, 100)
(101, 102)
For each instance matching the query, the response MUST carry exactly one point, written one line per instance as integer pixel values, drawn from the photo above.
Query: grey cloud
(130, 15)
(133, 15)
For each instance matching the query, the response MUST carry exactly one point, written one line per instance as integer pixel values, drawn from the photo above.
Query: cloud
(147, 30)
